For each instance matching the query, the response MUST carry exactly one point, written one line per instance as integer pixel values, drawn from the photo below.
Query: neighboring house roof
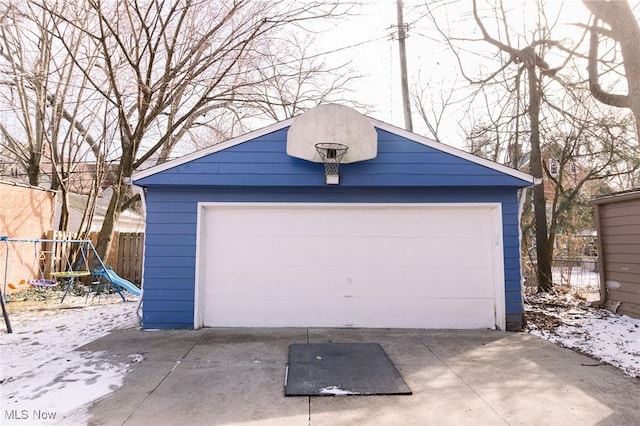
(617, 196)
(484, 172)
(129, 221)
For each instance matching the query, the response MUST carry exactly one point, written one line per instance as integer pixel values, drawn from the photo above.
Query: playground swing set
(66, 262)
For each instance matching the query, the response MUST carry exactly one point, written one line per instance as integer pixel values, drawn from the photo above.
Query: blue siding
(259, 170)
(263, 161)
(169, 273)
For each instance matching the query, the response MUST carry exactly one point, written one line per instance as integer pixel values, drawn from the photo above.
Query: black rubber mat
(339, 369)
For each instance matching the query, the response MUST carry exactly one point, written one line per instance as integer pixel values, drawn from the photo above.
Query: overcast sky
(366, 40)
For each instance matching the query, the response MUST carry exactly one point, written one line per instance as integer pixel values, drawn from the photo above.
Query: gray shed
(617, 219)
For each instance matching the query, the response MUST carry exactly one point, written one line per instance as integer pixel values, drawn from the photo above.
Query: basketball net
(331, 154)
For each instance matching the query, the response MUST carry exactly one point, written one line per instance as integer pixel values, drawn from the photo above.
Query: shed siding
(171, 237)
(619, 232)
(264, 162)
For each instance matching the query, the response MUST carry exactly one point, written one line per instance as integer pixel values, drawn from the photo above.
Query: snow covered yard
(573, 323)
(43, 380)
(568, 319)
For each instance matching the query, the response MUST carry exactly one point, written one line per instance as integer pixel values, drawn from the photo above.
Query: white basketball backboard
(332, 123)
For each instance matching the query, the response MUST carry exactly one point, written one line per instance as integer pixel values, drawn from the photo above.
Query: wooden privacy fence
(125, 257)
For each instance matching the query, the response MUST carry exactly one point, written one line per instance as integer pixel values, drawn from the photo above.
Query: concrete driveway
(236, 376)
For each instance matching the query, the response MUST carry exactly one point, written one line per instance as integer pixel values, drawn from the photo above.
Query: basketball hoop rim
(331, 145)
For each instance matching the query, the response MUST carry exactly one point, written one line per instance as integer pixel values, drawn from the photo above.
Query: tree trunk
(543, 252)
(63, 224)
(33, 170)
(105, 236)
(629, 39)
(120, 188)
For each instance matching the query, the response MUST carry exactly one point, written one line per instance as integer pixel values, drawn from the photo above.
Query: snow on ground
(577, 277)
(568, 319)
(44, 381)
(575, 324)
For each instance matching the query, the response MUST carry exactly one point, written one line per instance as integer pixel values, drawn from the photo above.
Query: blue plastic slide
(117, 281)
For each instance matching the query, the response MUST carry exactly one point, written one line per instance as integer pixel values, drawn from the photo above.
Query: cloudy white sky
(366, 40)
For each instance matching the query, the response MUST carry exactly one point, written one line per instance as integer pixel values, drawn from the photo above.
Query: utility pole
(402, 35)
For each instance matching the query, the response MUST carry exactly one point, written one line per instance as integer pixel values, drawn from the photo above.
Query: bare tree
(585, 147)
(54, 113)
(498, 133)
(615, 20)
(583, 151)
(24, 90)
(164, 66)
(432, 110)
(525, 59)
(529, 85)
(292, 79)
(288, 78)
(530, 88)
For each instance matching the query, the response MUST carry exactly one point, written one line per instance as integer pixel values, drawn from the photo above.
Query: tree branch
(621, 101)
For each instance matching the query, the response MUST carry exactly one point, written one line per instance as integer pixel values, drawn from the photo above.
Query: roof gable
(259, 158)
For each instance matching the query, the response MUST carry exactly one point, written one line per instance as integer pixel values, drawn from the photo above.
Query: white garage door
(350, 265)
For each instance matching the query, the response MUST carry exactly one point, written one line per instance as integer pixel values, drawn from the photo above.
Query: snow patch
(574, 324)
(613, 284)
(63, 385)
(136, 357)
(336, 391)
(45, 380)
(40, 336)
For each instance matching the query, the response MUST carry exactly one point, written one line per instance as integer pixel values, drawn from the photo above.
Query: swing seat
(13, 287)
(70, 276)
(42, 283)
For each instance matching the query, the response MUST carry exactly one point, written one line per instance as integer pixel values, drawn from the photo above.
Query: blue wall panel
(170, 261)
(169, 272)
(152, 250)
(263, 161)
(174, 229)
(168, 294)
(172, 239)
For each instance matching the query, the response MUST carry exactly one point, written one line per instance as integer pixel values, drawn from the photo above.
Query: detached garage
(377, 228)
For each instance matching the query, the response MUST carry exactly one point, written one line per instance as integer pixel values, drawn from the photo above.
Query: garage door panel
(403, 252)
(421, 282)
(345, 281)
(350, 222)
(348, 265)
(282, 311)
(424, 313)
(400, 252)
(268, 283)
(352, 312)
